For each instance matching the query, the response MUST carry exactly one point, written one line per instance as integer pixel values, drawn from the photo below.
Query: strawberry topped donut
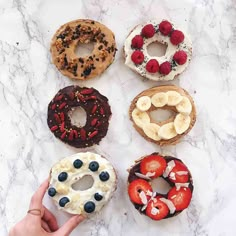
(176, 59)
(153, 204)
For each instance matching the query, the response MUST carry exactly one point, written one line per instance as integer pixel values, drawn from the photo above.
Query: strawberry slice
(153, 164)
(156, 209)
(180, 198)
(136, 187)
(179, 174)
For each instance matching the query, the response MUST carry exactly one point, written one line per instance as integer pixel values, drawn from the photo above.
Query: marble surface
(28, 80)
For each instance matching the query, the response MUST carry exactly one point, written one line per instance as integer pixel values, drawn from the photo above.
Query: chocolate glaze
(98, 114)
(136, 168)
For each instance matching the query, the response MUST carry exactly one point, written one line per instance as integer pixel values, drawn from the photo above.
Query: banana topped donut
(166, 97)
(177, 56)
(153, 204)
(66, 173)
(66, 40)
(98, 114)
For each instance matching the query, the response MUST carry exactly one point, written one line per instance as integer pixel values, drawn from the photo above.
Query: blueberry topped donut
(177, 56)
(98, 114)
(154, 204)
(69, 171)
(66, 40)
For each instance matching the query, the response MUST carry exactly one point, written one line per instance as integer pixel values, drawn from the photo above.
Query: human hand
(39, 221)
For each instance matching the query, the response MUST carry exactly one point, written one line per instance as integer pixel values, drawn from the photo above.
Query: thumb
(70, 225)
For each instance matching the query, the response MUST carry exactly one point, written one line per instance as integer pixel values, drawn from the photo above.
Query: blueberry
(62, 176)
(77, 163)
(93, 166)
(89, 207)
(52, 192)
(63, 201)
(98, 197)
(104, 176)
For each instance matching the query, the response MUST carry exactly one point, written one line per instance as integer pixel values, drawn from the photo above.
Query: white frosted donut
(156, 68)
(70, 170)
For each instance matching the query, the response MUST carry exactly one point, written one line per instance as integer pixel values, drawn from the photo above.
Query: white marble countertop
(28, 81)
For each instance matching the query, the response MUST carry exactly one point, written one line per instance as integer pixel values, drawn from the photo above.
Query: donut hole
(84, 49)
(161, 115)
(78, 116)
(84, 183)
(156, 49)
(160, 185)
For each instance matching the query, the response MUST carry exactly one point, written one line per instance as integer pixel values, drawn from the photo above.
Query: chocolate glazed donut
(98, 114)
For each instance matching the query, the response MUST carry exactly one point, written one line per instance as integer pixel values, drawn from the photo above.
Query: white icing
(186, 45)
(170, 166)
(169, 204)
(179, 185)
(79, 198)
(143, 197)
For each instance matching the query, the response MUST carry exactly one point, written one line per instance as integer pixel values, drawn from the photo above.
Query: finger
(70, 225)
(45, 226)
(36, 200)
(50, 219)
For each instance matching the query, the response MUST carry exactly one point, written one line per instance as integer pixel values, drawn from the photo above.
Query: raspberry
(180, 57)
(165, 68)
(148, 31)
(165, 27)
(137, 57)
(137, 41)
(176, 37)
(152, 66)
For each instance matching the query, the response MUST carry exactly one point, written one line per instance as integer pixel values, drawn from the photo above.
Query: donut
(155, 205)
(177, 56)
(166, 97)
(97, 110)
(66, 40)
(72, 169)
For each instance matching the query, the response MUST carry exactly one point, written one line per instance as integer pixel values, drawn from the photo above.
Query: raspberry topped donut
(97, 110)
(166, 97)
(66, 40)
(176, 59)
(153, 204)
(66, 173)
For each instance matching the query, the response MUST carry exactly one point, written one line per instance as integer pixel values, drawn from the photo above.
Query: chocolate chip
(81, 60)
(87, 71)
(100, 47)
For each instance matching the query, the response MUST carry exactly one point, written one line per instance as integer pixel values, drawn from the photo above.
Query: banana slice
(185, 106)
(159, 99)
(144, 103)
(174, 98)
(151, 130)
(140, 118)
(167, 131)
(181, 123)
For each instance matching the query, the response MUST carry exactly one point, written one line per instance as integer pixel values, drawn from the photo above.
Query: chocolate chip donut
(157, 205)
(98, 114)
(67, 38)
(72, 169)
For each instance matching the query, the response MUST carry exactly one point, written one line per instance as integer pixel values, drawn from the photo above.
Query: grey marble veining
(28, 81)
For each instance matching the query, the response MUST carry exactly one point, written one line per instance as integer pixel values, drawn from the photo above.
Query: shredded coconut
(179, 185)
(172, 176)
(143, 197)
(142, 176)
(155, 211)
(170, 166)
(169, 204)
(182, 172)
